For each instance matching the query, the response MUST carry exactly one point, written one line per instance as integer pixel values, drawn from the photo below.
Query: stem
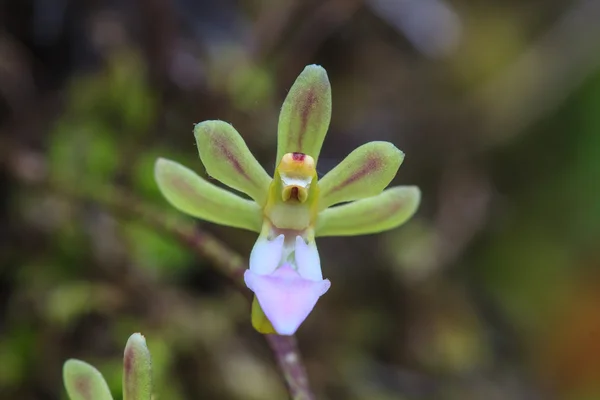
(290, 363)
(29, 168)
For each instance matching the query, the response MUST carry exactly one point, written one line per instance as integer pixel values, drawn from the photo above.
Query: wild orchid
(293, 207)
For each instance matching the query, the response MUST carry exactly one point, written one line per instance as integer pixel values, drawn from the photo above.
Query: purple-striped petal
(305, 114)
(227, 158)
(383, 212)
(363, 173)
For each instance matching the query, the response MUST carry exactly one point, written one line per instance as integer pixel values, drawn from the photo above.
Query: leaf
(137, 369)
(84, 382)
(191, 194)
(363, 173)
(383, 212)
(305, 114)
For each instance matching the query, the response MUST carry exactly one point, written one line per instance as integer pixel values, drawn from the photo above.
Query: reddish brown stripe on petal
(181, 184)
(379, 216)
(306, 108)
(233, 160)
(368, 167)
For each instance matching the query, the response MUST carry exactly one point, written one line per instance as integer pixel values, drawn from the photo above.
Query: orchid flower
(293, 207)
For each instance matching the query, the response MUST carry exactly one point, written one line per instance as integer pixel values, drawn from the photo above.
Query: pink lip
(286, 297)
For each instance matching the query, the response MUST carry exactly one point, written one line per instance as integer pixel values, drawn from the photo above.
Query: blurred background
(492, 291)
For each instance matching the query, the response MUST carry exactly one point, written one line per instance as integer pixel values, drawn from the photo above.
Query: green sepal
(227, 158)
(363, 173)
(84, 382)
(305, 114)
(191, 194)
(383, 212)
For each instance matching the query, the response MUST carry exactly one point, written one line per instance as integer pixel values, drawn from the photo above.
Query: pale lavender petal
(266, 255)
(307, 260)
(285, 297)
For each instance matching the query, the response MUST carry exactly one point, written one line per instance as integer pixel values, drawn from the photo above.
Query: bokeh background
(492, 291)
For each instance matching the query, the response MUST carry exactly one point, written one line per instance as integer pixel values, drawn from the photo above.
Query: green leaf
(385, 211)
(305, 114)
(191, 194)
(84, 382)
(137, 369)
(363, 173)
(227, 158)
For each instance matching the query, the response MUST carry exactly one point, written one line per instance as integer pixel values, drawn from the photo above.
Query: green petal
(227, 158)
(191, 194)
(385, 211)
(84, 382)
(137, 369)
(305, 114)
(363, 173)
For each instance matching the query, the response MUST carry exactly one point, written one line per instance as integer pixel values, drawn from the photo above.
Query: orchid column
(293, 207)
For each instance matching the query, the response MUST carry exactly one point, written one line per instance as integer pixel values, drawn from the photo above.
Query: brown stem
(29, 168)
(290, 363)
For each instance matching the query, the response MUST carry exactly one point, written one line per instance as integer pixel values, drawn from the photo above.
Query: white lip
(307, 260)
(266, 255)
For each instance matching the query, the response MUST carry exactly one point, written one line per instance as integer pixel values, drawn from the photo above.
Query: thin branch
(29, 168)
(288, 358)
